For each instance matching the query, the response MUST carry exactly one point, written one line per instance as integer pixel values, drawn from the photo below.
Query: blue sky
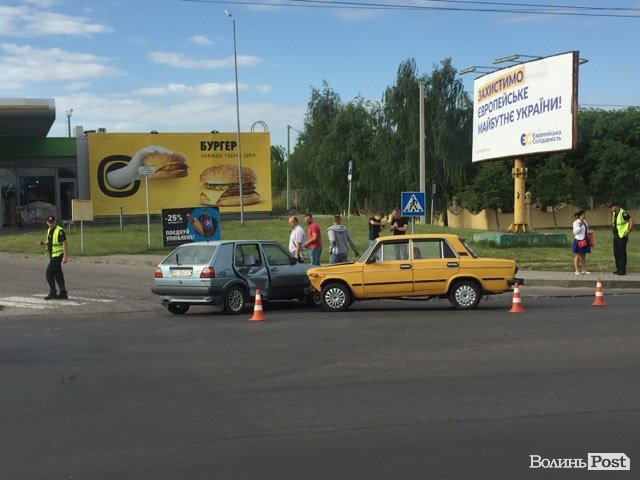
(167, 65)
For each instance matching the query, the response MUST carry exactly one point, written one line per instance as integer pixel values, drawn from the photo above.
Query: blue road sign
(413, 204)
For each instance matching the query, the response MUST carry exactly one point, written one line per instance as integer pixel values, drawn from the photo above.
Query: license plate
(181, 272)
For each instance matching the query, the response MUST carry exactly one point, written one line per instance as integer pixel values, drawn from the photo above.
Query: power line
(564, 10)
(608, 105)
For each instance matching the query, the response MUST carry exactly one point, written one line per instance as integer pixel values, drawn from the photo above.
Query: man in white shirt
(296, 239)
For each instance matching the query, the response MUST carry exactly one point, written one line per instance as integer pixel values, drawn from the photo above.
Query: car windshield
(365, 255)
(191, 255)
(469, 249)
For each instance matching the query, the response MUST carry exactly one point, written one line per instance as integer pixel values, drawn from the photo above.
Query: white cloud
(206, 89)
(131, 113)
(201, 40)
(22, 64)
(202, 90)
(25, 21)
(178, 60)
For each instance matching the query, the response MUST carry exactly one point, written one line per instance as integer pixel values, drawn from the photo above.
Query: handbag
(582, 243)
(592, 238)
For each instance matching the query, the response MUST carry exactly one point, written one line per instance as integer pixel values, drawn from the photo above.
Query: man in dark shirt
(375, 225)
(399, 227)
(398, 223)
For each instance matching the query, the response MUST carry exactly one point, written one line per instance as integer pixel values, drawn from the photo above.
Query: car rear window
(191, 255)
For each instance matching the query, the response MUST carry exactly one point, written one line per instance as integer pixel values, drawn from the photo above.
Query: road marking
(86, 299)
(6, 303)
(36, 301)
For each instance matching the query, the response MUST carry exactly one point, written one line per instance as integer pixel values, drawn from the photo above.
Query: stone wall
(536, 218)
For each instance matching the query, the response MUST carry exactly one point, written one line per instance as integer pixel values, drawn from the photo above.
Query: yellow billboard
(184, 170)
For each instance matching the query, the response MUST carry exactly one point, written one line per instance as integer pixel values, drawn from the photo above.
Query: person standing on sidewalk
(580, 243)
(622, 224)
(339, 240)
(56, 242)
(296, 239)
(314, 239)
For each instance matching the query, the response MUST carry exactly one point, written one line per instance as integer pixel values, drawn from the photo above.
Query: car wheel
(178, 308)
(313, 300)
(465, 295)
(335, 297)
(235, 300)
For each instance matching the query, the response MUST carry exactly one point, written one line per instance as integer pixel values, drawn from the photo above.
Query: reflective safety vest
(56, 245)
(619, 223)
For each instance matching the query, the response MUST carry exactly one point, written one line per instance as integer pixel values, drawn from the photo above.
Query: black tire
(465, 295)
(178, 308)
(336, 297)
(235, 300)
(313, 300)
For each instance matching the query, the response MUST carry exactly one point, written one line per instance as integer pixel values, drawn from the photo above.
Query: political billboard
(526, 109)
(183, 169)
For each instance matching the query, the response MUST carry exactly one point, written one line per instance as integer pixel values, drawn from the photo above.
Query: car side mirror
(371, 259)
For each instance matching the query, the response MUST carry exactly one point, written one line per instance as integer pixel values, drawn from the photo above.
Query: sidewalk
(571, 280)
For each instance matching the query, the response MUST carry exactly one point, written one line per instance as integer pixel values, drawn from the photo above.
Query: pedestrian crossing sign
(413, 204)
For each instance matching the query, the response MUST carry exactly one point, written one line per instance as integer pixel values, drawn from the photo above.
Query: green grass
(108, 240)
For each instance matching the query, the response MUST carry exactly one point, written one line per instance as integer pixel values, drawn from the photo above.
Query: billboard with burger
(190, 168)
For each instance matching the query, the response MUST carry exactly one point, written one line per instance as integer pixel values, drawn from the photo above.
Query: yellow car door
(434, 263)
(388, 270)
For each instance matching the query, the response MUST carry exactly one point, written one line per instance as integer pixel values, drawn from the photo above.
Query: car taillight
(157, 273)
(208, 272)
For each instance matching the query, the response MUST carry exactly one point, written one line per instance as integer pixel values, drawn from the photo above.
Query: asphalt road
(387, 390)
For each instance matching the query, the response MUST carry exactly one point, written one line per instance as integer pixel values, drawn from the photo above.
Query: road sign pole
(81, 237)
(146, 187)
(349, 178)
(349, 206)
(146, 171)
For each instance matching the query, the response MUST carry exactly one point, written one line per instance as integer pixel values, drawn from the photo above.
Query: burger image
(168, 165)
(222, 186)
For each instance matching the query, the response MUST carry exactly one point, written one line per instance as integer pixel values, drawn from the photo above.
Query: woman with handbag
(580, 243)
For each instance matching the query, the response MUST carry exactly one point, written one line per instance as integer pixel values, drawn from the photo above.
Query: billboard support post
(519, 173)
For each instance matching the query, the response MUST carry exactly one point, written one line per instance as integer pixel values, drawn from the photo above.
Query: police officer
(622, 223)
(56, 243)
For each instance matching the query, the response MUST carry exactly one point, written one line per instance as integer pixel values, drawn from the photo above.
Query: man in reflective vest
(622, 223)
(56, 243)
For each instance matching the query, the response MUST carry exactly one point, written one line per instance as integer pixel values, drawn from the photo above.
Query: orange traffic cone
(258, 314)
(516, 304)
(599, 300)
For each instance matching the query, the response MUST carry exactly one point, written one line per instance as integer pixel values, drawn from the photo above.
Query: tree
(617, 171)
(278, 168)
(448, 117)
(492, 187)
(555, 183)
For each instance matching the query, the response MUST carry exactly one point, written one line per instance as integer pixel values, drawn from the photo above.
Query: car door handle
(452, 264)
(405, 266)
(274, 269)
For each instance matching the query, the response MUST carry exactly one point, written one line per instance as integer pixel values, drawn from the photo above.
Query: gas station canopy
(26, 117)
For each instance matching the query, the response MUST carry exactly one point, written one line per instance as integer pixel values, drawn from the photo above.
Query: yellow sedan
(430, 265)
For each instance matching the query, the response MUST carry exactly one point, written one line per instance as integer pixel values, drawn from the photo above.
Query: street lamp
(235, 62)
(69, 113)
(475, 68)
